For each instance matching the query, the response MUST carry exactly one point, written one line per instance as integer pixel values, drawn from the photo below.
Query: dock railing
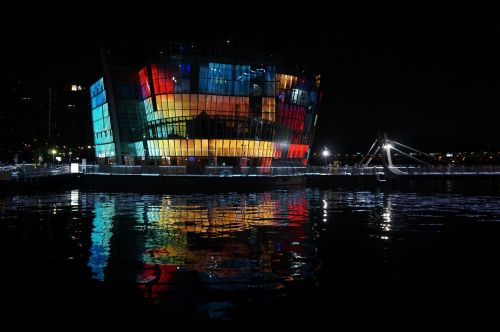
(187, 171)
(32, 172)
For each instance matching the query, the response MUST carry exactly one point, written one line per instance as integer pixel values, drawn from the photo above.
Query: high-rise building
(205, 106)
(52, 111)
(67, 117)
(74, 118)
(19, 117)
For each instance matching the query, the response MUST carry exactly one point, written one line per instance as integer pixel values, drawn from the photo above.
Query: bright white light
(387, 146)
(74, 167)
(325, 153)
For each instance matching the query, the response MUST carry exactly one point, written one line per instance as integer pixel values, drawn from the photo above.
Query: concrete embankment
(192, 183)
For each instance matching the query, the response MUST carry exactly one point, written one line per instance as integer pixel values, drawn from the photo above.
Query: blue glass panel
(185, 69)
(96, 114)
(139, 149)
(148, 106)
(217, 78)
(98, 100)
(242, 80)
(107, 123)
(97, 87)
(105, 111)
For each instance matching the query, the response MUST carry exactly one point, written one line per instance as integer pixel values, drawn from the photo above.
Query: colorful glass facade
(101, 120)
(206, 111)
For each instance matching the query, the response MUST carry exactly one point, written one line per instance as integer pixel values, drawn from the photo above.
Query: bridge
(419, 167)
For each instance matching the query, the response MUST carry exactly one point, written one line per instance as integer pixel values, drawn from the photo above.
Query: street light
(53, 151)
(325, 153)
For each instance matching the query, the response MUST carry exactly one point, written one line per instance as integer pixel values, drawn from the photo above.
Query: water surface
(282, 258)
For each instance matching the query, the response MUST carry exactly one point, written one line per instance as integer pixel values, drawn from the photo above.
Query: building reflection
(104, 212)
(223, 241)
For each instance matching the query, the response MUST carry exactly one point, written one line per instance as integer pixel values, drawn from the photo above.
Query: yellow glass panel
(183, 147)
(211, 148)
(170, 101)
(162, 104)
(174, 147)
(251, 145)
(171, 148)
(225, 147)
(158, 103)
(204, 147)
(177, 101)
(190, 147)
(165, 148)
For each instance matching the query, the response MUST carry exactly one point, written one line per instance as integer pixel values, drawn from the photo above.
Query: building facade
(205, 107)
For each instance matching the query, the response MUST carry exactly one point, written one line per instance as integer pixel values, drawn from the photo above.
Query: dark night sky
(427, 76)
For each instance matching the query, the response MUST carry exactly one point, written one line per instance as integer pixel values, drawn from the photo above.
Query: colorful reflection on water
(192, 259)
(229, 240)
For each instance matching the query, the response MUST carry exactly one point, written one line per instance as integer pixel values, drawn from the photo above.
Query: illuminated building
(205, 107)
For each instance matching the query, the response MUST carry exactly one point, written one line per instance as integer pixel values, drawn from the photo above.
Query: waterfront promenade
(175, 178)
